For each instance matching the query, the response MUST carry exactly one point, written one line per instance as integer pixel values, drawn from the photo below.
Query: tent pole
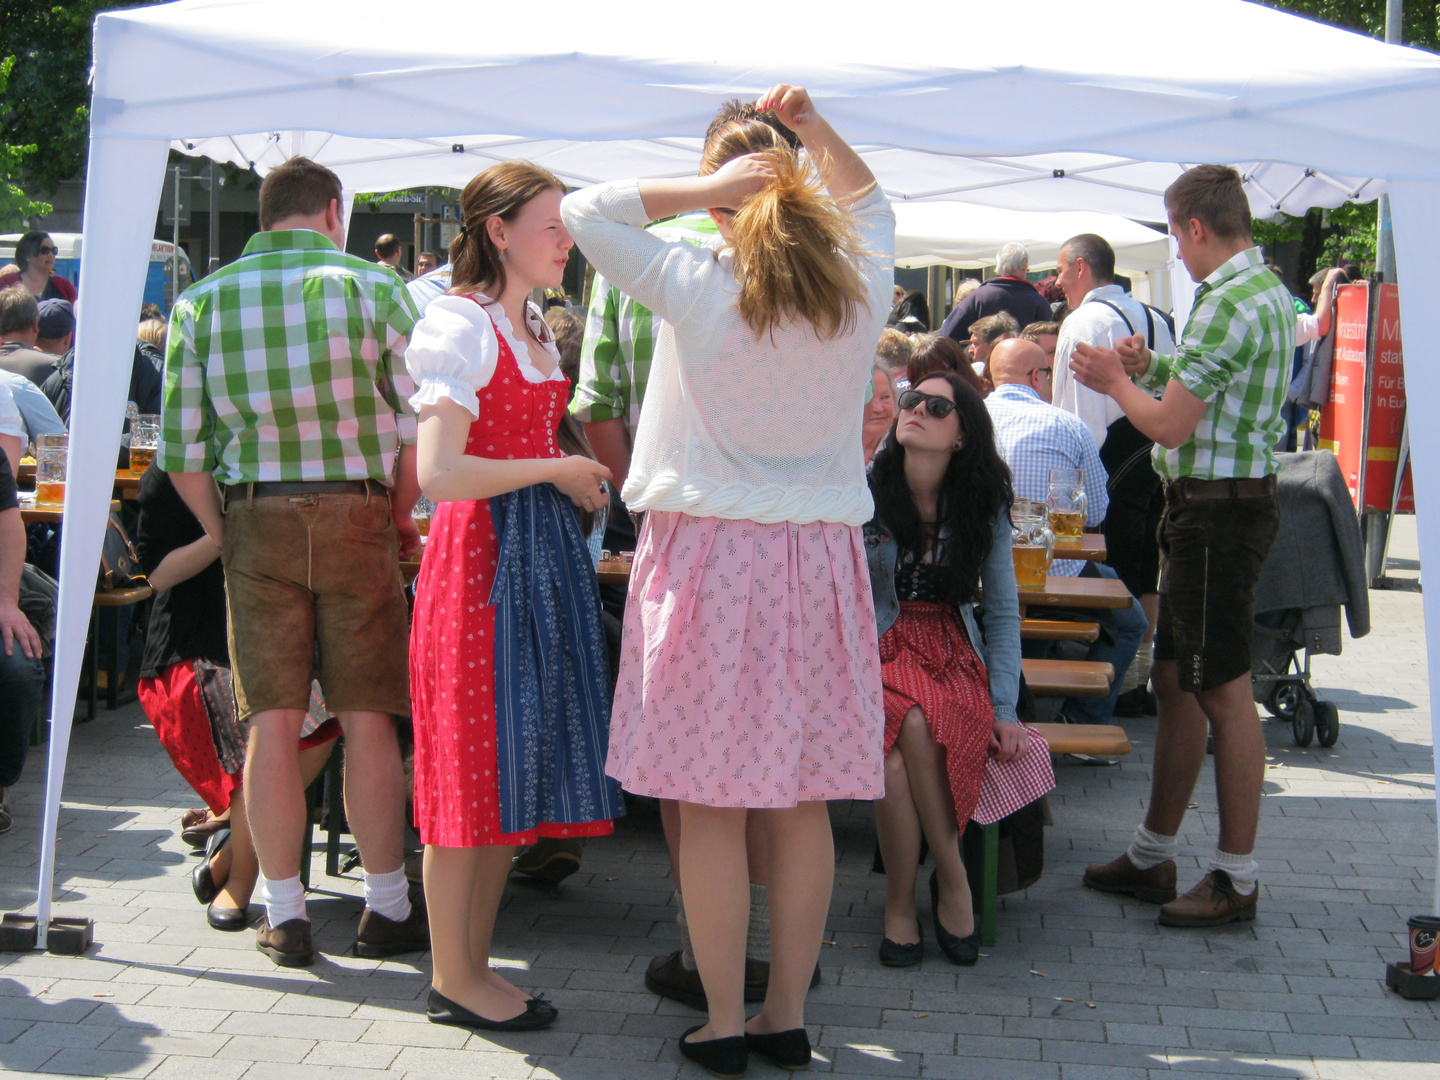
(1385, 235)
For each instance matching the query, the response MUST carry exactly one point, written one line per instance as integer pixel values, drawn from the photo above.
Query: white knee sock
(284, 899)
(687, 954)
(757, 935)
(388, 894)
(1244, 871)
(1138, 673)
(1150, 848)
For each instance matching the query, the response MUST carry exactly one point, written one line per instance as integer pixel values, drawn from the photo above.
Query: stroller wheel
(1282, 699)
(1327, 722)
(1303, 722)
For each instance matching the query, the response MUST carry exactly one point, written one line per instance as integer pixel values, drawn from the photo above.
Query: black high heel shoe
(785, 1049)
(441, 1010)
(726, 1058)
(893, 954)
(964, 951)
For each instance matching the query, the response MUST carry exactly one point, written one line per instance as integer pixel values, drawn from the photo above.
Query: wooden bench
(1059, 630)
(1067, 678)
(1101, 740)
(107, 603)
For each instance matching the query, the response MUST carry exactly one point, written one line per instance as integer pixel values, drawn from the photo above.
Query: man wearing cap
(21, 324)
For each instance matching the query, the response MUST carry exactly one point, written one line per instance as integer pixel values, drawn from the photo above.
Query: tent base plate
(1415, 987)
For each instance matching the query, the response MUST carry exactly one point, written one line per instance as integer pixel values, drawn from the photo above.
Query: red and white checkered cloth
(1009, 785)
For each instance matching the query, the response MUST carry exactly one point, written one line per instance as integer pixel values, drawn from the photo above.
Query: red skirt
(926, 659)
(177, 713)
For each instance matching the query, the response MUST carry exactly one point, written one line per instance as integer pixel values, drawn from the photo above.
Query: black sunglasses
(46, 249)
(937, 406)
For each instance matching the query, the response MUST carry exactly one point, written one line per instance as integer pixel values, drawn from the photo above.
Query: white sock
(687, 954)
(388, 894)
(1138, 673)
(1244, 871)
(284, 899)
(1150, 848)
(757, 935)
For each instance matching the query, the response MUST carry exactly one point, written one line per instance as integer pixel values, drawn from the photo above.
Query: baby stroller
(1316, 566)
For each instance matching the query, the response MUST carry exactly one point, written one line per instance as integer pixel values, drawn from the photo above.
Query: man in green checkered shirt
(285, 382)
(1216, 426)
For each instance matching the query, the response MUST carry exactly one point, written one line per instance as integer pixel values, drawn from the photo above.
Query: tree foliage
(1421, 20)
(15, 205)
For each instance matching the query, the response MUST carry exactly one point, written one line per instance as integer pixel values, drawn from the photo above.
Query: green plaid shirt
(288, 364)
(1235, 354)
(620, 337)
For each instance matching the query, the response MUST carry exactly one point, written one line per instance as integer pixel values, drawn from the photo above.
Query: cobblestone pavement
(1080, 984)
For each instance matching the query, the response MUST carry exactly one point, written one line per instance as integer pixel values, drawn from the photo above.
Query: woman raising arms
(749, 672)
(508, 675)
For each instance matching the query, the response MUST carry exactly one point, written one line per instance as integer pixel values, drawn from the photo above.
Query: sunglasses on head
(46, 249)
(937, 406)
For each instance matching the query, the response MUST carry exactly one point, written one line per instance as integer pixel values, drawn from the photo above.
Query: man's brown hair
(386, 245)
(19, 310)
(1036, 330)
(994, 327)
(299, 187)
(1215, 196)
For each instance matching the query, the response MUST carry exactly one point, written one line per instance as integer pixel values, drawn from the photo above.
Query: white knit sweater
(766, 430)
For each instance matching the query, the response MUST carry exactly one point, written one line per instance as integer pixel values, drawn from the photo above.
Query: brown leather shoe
(288, 944)
(669, 978)
(1212, 902)
(378, 936)
(550, 859)
(1153, 886)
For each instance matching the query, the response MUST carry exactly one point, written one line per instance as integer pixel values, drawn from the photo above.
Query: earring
(502, 254)
(958, 445)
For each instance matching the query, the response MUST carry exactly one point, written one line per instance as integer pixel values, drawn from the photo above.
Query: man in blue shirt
(1034, 437)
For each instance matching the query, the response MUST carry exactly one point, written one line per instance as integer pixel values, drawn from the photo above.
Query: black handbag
(119, 565)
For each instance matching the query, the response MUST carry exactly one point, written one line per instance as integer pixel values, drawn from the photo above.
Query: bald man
(1034, 437)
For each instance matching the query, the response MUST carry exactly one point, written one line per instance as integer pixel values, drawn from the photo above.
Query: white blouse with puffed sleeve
(454, 350)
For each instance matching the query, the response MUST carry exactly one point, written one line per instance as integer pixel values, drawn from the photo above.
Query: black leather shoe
(964, 951)
(441, 1010)
(226, 918)
(201, 880)
(725, 1058)
(893, 954)
(785, 1049)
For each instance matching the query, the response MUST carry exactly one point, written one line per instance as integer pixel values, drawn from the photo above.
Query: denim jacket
(999, 648)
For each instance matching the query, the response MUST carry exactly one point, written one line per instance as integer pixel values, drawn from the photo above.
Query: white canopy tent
(1097, 109)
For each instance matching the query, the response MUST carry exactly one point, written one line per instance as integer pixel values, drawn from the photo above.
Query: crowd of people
(822, 602)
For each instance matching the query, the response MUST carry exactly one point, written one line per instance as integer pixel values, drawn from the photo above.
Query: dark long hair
(975, 488)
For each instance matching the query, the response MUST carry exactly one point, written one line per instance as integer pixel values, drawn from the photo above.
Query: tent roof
(965, 235)
(1099, 96)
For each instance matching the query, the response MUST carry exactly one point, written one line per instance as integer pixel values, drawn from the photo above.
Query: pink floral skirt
(750, 668)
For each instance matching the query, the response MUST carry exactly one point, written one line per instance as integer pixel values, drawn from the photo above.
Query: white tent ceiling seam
(599, 96)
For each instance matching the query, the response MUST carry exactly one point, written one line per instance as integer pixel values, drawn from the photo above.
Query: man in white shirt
(1101, 313)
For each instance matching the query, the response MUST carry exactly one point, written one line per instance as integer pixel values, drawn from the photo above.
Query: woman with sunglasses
(749, 675)
(941, 533)
(35, 256)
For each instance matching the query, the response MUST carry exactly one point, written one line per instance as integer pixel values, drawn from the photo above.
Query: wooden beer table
(127, 484)
(1091, 548)
(52, 514)
(1077, 592)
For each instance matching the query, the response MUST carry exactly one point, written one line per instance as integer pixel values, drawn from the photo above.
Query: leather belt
(266, 488)
(1190, 489)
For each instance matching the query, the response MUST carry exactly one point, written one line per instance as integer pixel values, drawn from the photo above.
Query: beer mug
(144, 441)
(422, 512)
(1066, 500)
(1032, 543)
(51, 452)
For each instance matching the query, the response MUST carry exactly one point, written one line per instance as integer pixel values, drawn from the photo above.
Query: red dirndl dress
(508, 674)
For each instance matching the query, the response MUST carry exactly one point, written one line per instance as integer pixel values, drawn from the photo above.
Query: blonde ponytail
(795, 250)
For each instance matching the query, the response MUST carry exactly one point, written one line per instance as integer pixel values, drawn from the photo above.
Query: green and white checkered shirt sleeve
(602, 390)
(187, 424)
(393, 377)
(1218, 343)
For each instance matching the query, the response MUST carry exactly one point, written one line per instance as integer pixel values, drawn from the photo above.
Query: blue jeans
(22, 687)
(1120, 632)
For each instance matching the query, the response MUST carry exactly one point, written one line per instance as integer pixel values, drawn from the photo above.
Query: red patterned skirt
(926, 659)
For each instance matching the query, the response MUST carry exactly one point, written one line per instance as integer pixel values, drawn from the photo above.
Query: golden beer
(423, 524)
(140, 458)
(50, 493)
(1068, 527)
(1030, 567)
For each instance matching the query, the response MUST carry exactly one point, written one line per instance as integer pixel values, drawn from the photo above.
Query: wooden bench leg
(334, 810)
(93, 667)
(990, 893)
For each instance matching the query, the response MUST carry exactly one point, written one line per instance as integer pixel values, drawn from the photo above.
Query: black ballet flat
(893, 954)
(201, 880)
(785, 1049)
(229, 919)
(441, 1010)
(964, 951)
(726, 1058)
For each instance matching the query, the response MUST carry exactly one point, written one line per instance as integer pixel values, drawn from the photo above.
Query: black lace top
(921, 581)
